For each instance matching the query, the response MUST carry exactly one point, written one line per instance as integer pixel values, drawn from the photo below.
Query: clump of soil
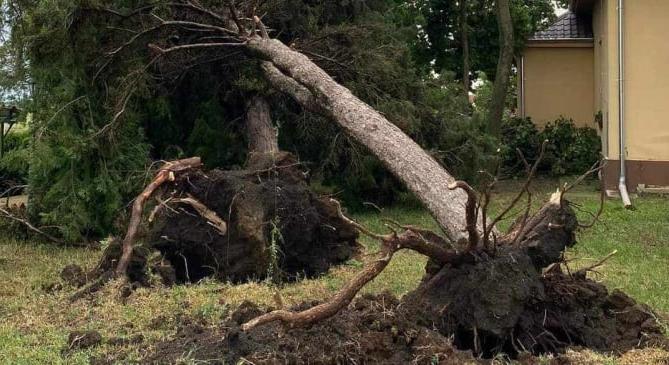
(547, 316)
(579, 311)
(372, 330)
(78, 340)
(276, 225)
(73, 275)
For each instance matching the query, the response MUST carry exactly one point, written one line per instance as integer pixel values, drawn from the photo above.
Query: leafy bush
(519, 134)
(570, 150)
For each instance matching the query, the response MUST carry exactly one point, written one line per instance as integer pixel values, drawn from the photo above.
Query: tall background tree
(496, 107)
(443, 45)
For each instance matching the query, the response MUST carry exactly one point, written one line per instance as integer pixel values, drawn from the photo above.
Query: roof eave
(561, 43)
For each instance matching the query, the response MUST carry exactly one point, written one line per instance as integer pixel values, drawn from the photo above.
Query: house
(605, 64)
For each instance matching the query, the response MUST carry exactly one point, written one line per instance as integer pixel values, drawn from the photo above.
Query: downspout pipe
(622, 181)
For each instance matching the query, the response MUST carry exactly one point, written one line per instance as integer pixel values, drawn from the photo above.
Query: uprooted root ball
(274, 226)
(517, 298)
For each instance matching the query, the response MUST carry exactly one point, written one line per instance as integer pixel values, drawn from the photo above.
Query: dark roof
(581, 6)
(567, 26)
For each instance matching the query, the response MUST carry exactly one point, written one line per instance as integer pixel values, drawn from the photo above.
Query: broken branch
(597, 264)
(30, 226)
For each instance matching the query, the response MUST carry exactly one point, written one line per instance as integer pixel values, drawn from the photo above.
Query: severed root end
(556, 197)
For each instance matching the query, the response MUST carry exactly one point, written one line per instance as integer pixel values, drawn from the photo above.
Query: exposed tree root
(212, 218)
(390, 244)
(166, 173)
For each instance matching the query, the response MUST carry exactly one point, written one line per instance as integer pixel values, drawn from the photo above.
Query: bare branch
(169, 23)
(597, 264)
(30, 226)
(235, 17)
(528, 206)
(184, 47)
(597, 166)
(595, 218)
(263, 30)
(357, 225)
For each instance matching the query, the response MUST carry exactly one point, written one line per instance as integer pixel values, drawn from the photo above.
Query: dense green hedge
(570, 149)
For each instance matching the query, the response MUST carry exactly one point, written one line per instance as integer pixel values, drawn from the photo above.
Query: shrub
(519, 134)
(570, 150)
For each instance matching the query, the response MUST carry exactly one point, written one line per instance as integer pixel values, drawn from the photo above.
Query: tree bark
(496, 108)
(464, 39)
(295, 74)
(261, 134)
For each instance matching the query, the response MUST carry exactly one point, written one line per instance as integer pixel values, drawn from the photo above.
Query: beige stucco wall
(646, 79)
(559, 81)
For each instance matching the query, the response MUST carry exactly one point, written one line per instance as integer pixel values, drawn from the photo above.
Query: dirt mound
(372, 330)
(579, 311)
(544, 314)
(276, 225)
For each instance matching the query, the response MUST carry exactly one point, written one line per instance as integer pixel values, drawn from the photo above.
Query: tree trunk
(295, 74)
(261, 134)
(464, 39)
(496, 109)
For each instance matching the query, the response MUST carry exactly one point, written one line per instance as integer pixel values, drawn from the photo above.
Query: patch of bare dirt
(372, 330)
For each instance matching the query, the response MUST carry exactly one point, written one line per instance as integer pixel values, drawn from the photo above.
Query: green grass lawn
(34, 324)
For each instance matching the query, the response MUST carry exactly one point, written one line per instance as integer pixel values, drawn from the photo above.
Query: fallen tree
(493, 292)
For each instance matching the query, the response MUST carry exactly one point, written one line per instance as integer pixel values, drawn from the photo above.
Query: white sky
(559, 11)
